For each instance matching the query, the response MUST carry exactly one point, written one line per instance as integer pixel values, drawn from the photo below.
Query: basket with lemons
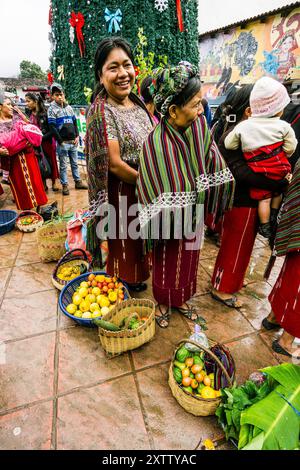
(91, 296)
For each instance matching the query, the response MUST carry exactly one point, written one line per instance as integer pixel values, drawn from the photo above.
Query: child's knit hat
(268, 97)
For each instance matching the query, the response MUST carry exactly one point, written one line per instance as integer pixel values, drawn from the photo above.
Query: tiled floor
(59, 391)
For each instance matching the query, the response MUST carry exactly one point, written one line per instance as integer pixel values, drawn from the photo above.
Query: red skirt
(174, 274)
(214, 227)
(126, 258)
(237, 240)
(285, 296)
(49, 147)
(26, 181)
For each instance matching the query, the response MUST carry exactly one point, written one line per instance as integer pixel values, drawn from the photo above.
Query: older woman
(117, 125)
(285, 296)
(24, 173)
(181, 172)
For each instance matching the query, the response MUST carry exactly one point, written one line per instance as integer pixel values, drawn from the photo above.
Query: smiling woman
(117, 125)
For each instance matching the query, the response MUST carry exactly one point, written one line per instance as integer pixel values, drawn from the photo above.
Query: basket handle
(210, 353)
(133, 314)
(68, 256)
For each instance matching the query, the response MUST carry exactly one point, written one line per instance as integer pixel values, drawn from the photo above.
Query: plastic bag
(77, 231)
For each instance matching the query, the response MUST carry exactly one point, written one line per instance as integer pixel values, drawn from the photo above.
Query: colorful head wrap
(169, 82)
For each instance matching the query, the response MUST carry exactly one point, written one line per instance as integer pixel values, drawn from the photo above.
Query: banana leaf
(275, 416)
(285, 374)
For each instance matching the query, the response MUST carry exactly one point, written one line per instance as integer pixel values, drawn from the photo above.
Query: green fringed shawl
(182, 170)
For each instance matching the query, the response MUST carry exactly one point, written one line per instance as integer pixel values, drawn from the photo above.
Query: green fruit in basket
(198, 360)
(78, 314)
(200, 386)
(188, 389)
(106, 325)
(182, 354)
(180, 365)
(71, 308)
(177, 374)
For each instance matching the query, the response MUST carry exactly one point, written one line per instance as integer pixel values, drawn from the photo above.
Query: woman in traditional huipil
(181, 171)
(285, 296)
(117, 125)
(24, 173)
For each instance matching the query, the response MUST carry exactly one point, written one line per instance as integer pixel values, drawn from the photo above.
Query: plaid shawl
(288, 232)
(97, 159)
(182, 170)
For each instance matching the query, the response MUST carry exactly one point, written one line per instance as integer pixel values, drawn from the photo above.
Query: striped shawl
(181, 170)
(288, 232)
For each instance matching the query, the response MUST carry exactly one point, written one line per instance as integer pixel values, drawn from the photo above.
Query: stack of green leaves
(265, 416)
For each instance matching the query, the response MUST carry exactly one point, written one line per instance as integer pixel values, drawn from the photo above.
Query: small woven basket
(77, 257)
(51, 239)
(192, 404)
(36, 223)
(118, 342)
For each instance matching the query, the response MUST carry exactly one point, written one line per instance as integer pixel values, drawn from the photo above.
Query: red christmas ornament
(77, 22)
(50, 15)
(50, 78)
(179, 15)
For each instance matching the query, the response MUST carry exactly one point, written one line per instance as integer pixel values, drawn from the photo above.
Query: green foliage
(164, 40)
(265, 417)
(31, 70)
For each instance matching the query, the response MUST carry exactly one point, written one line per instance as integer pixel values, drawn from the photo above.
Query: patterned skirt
(26, 181)
(174, 274)
(285, 296)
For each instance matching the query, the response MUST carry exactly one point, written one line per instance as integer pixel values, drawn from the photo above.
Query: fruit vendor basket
(7, 221)
(65, 298)
(29, 221)
(195, 405)
(75, 259)
(118, 342)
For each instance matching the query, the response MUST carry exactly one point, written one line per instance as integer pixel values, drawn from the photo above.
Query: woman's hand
(116, 165)
(3, 151)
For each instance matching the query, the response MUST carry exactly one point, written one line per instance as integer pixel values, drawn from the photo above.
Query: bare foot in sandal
(227, 299)
(162, 315)
(188, 311)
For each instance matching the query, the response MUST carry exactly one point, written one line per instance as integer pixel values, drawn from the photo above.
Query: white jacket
(257, 132)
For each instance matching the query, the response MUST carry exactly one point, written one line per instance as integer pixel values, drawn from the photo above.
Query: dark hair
(240, 102)
(188, 93)
(144, 90)
(104, 49)
(37, 99)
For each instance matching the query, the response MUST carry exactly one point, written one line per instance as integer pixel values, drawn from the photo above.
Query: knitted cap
(268, 98)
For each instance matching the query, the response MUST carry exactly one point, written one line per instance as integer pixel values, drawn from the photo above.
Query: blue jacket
(62, 121)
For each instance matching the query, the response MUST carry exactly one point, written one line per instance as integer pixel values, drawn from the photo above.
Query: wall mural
(244, 55)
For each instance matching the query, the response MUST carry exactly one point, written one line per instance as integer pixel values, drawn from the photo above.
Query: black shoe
(139, 287)
(268, 325)
(4, 181)
(265, 230)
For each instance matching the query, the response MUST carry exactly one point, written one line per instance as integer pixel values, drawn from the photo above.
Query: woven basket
(38, 222)
(118, 342)
(192, 404)
(51, 239)
(77, 257)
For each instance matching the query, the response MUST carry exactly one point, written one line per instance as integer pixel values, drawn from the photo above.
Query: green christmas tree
(169, 26)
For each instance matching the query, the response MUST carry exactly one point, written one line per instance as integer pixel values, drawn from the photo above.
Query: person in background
(24, 173)
(118, 123)
(240, 224)
(207, 112)
(62, 123)
(267, 143)
(291, 115)
(148, 100)
(285, 298)
(38, 117)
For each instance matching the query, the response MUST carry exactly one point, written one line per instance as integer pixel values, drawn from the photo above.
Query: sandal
(268, 325)
(280, 350)
(189, 312)
(231, 303)
(163, 319)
